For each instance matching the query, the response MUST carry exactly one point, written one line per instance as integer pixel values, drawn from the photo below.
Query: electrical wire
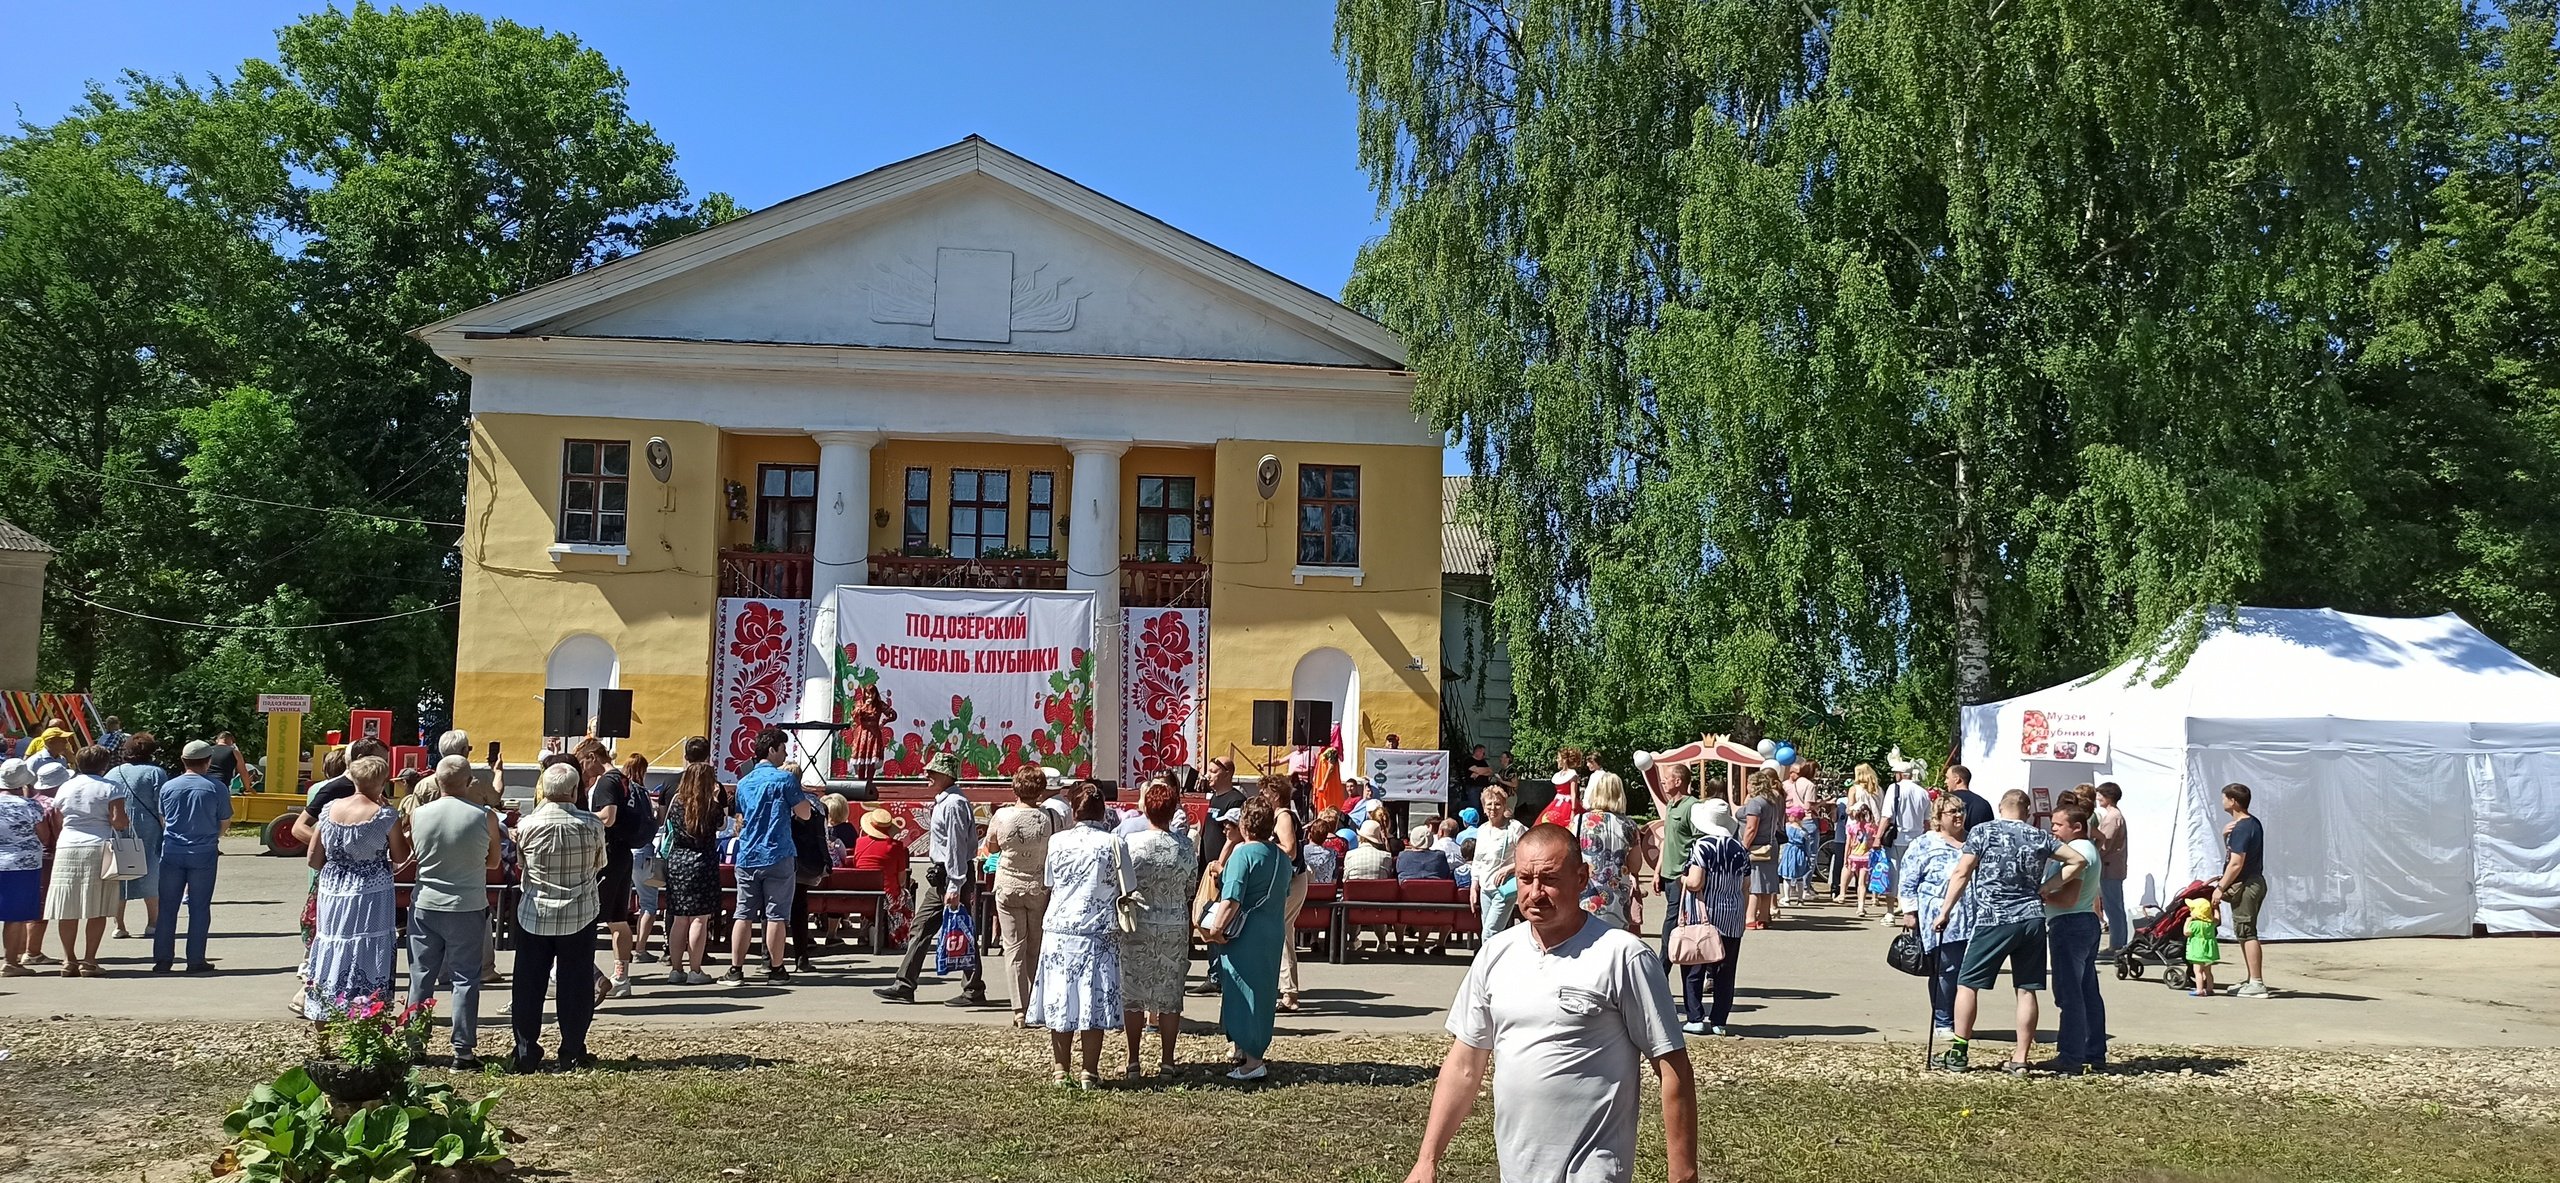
(261, 627)
(59, 463)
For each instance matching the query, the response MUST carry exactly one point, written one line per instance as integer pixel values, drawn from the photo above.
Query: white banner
(1001, 679)
(1407, 774)
(757, 662)
(2071, 736)
(1164, 678)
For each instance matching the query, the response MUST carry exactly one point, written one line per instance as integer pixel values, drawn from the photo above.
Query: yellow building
(960, 370)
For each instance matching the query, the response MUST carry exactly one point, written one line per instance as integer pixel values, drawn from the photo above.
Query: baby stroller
(2161, 937)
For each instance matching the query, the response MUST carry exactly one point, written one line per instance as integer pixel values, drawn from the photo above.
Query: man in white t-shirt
(1906, 812)
(1570, 1005)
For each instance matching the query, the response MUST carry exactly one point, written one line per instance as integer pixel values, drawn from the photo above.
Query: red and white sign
(2069, 736)
(1001, 679)
(756, 675)
(1164, 680)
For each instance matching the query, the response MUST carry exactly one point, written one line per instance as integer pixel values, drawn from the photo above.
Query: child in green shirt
(2204, 944)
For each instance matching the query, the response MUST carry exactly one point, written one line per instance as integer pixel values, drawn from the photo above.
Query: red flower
(742, 741)
(756, 689)
(1163, 747)
(759, 633)
(1164, 643)
(1160, 699)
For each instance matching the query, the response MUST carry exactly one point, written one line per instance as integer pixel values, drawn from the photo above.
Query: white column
(1093, 564)
(837, 558)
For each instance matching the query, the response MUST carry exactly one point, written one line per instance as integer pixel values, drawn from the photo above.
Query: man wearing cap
(193, 808)
(951, 882)
(49, 757)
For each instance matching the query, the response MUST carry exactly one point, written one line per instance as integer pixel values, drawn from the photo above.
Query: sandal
(1130, 1072)
(1058, 1076)
(91, 969)
(1288, 1004)
(1088, 1082)
(70, 969)
(1168, 1068)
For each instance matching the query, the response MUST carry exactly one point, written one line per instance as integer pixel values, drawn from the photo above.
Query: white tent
(2407, 770)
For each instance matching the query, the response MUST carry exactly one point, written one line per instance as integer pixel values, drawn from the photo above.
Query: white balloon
(1644, 760)
(1768, 747)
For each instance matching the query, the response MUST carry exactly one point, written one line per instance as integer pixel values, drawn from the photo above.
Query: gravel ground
(2516, 1085)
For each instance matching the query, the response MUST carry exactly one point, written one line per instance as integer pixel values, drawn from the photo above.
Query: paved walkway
(1821, 975)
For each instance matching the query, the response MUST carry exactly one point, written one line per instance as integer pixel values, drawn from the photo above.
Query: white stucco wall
(22, 610)
(927, 273)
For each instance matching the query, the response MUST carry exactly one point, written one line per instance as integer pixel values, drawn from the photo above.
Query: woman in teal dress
(1255, 875)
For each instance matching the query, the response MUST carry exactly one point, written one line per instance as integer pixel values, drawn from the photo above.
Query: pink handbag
(1696, 944)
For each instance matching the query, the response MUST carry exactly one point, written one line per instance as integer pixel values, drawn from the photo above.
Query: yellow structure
(959, 370)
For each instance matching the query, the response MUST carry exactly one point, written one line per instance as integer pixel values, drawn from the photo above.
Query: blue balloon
(1348, 835)
(1786, 753)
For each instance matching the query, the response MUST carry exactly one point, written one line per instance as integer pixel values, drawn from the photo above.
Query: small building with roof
(23, 559)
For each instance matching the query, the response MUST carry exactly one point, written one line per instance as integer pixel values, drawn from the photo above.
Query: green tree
(1827, 365)
(242, 261)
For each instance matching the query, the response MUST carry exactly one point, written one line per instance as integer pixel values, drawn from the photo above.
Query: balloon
(1644, 761)
(1768, 747)
(1786, 753)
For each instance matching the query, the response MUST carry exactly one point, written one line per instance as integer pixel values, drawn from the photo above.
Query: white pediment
(967, 248)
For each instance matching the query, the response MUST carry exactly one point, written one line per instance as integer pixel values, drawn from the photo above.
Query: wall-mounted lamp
(1205, 503)
(880, 518)
(737, 495)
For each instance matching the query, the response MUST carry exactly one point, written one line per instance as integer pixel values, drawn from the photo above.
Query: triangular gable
(966, 247)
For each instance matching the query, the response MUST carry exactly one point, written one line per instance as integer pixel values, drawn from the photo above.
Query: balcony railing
(1163, 585)
(780, 576)
(770, 575)
(1009, 574)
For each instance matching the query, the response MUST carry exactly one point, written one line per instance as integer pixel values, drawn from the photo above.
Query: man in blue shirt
(951, 882)
(769, 800)
(194, 808)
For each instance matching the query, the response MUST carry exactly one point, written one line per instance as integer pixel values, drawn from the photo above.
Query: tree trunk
(1972, 600)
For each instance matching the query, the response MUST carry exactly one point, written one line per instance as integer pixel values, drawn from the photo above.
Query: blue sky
(1229, 119)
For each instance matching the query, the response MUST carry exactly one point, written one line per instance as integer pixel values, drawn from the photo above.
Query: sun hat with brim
(1713, 816)
(14, 774)
(198, 749)
(881, 824)
(943, 764)
(52, 774)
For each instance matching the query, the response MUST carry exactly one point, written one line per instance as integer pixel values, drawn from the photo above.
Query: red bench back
(1357, 891)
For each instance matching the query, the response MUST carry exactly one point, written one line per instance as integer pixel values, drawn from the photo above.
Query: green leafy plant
(1018, 553)
(922, 551)
(287, 1132)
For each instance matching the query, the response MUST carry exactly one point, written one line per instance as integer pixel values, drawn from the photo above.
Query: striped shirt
(1719, 899)
(562, 850)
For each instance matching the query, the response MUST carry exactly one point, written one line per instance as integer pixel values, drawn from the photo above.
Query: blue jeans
(2111, 897)
(1944, 961)
(188, 876)
(2075, 989)
(445, 948)
(1670, 914)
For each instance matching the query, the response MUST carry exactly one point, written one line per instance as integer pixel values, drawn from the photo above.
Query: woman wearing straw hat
(881, 845)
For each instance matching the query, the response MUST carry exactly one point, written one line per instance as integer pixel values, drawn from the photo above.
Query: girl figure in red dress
(867, 732)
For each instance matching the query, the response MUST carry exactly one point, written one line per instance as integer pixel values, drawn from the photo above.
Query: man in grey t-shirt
(2001, 878)
(1570, 1005)
(457, 846)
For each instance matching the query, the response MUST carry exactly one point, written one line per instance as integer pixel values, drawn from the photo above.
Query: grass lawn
(874, 1102)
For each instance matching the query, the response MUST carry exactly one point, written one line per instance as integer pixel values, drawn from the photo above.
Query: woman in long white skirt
(1077, 995)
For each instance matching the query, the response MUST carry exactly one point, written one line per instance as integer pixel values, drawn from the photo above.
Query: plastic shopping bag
(1880, 873)
(957, 951)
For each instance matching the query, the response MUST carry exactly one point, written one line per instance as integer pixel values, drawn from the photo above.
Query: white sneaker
(2251, 989)
(621, 988)
(1945, 1034)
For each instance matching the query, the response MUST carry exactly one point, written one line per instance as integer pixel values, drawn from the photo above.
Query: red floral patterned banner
(756, 668)
(1164, 678)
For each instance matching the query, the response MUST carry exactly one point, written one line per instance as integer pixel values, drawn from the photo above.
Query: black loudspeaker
(1270, 722)
(564, 713)
(1313, 725)
(613, 714)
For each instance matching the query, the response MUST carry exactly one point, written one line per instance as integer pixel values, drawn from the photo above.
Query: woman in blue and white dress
(357, 911)
(1927, 871)
(140, 778)
(1714, 889)
(1078, 993)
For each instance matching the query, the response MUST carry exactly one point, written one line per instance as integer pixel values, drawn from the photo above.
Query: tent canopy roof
(2306, 663)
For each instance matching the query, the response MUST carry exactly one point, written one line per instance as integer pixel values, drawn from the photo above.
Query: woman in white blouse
(92, 809)
(1490, 874)
(1077, 995)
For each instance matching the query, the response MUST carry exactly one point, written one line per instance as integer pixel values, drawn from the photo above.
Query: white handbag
(124, 858)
